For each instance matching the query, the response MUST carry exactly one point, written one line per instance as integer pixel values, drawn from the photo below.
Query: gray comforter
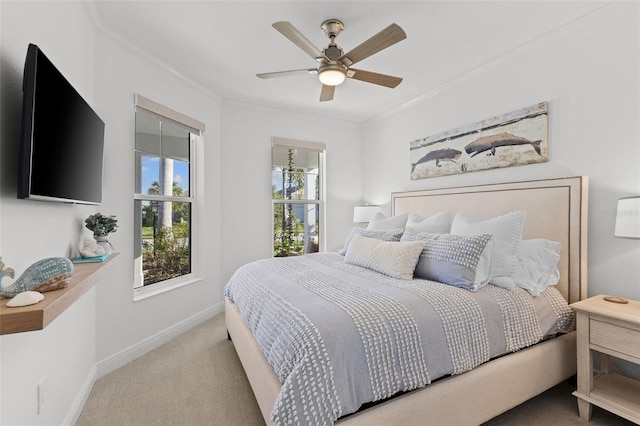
(338, 335)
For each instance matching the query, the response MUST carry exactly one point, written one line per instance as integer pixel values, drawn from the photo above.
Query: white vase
(103, 241)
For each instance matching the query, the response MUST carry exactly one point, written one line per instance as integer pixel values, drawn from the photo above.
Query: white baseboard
(127, 355)
(81, 399)
(121, 358)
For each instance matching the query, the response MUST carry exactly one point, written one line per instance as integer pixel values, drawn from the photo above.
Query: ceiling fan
(335, 65)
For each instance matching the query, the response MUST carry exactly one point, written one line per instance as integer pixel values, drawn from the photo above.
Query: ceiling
(220, 45)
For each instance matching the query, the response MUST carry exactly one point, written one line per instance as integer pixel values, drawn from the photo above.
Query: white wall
(122, 323)
(246, 177)
(68, 41)
(64, 352)
(589, 73)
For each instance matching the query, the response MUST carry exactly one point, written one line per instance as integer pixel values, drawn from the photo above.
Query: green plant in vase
(102, 226)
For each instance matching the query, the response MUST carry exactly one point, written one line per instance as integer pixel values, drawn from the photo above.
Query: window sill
(152, 290)
(38, 316)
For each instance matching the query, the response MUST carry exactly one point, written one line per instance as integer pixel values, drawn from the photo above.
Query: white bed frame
(556, 209)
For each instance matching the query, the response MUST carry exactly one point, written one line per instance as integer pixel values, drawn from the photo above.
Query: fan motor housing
(332, 27)
(332, 52)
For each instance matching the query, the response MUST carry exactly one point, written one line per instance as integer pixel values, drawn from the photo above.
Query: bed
(556, 209)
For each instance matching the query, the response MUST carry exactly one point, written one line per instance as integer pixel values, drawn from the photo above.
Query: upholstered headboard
(556, 209)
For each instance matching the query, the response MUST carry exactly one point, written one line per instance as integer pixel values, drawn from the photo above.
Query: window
(164, 196)
(297, 193)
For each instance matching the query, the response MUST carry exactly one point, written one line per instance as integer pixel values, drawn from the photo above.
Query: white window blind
(163, 113)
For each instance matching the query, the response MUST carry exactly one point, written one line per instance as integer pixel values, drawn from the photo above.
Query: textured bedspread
(338, 336)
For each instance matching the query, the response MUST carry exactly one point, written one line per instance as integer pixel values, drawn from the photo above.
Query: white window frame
(321, 148)
(195, 128)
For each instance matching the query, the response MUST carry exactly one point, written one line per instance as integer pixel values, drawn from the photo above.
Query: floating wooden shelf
(38, 316)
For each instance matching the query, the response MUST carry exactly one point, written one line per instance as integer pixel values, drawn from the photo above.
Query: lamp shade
(628, 218)
(363, 214)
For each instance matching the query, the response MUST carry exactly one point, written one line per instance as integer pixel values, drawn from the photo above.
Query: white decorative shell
(24, 299)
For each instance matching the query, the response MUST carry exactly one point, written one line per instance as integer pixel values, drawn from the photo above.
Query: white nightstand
(612, 329)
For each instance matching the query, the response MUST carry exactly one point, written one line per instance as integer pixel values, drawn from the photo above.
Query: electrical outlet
(42, 394)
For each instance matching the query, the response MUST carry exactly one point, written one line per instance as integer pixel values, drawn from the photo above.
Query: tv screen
(62, 138)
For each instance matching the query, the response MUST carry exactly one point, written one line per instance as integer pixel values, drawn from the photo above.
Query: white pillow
(507, 233)
(380, 222)
(439, 223)
(396, 259)
(537, 265)
(464, 261)
(385, 235)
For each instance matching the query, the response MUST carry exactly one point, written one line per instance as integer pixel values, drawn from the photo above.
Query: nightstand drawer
(615, 337)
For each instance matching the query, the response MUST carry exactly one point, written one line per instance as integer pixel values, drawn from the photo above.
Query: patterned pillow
(507, 233)
(457, 260)
(380, 222)
(396, 259)
(384, 235)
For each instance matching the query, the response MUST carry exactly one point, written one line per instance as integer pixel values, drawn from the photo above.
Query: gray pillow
(380, 222)
(385, 235)
(439, 223)
(457, 260)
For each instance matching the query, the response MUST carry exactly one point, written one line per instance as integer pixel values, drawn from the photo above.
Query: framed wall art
(512, 139)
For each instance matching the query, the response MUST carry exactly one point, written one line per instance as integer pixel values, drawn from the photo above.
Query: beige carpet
(196, 379)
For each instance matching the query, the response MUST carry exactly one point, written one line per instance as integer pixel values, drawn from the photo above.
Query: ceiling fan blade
(385, 38)
(287, 73)
(292, 33)
(374, 77)
(327, 93)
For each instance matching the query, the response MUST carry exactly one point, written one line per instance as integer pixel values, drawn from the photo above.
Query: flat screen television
(62, 138)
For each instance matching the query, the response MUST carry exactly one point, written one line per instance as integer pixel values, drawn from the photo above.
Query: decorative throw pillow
(537, 265)
(392, 258)
(380, 222)
(507, 233)
(457, 260)
(439, 223)
(389, 235)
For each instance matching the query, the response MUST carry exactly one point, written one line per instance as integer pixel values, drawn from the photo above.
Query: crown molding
(101, 31)
(253, 106)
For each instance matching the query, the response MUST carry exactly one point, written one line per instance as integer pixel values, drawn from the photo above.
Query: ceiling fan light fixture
(334, 64)
(332, 74)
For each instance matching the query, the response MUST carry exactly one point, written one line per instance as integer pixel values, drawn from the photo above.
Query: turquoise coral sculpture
(48, 274)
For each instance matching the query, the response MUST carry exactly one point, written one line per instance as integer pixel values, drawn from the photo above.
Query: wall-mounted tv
(62, 138)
